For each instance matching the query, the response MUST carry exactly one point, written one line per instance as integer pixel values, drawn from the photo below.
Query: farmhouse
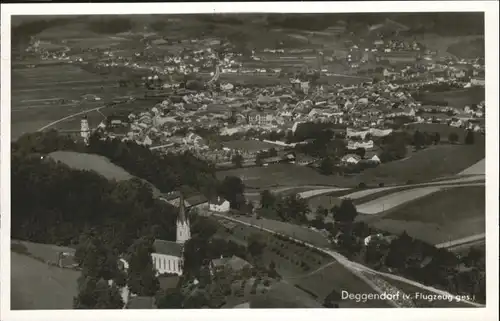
(219, 205)
(351, 159)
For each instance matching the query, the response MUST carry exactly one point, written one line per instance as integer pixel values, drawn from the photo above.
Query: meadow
(91, 162)
(278, 175)
(37, 94)
(36, 285)
(456, 98)
(443, 216)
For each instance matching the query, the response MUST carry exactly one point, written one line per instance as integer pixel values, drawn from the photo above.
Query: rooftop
(167, 248)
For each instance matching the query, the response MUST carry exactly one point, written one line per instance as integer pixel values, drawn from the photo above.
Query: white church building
(167, 257)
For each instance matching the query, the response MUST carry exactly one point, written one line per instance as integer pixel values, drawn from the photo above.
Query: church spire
(182, 211)
(183, 226)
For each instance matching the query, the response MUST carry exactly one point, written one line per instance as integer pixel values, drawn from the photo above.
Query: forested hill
(53, 203)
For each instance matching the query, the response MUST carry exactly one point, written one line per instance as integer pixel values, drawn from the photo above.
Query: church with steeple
(168, 255)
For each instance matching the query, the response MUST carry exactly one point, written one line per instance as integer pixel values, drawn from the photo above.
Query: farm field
(44, 252)
(37, 94)
(278, 175)
(296, 231)
(457, 98)
(441, 217)
(444, 131)
(425, 165)
(323, 276)
(284, 296)
(338, 278)
(36, 285)
(476, 169)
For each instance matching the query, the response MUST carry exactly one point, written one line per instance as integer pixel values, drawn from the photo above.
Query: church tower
(84, 130)
(183, 227)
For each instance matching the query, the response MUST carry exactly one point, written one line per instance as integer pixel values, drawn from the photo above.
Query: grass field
(91, 162)
(278, 175)
(443, 130)
(336, 277)
(44, 252)
(36, 95)
(457, 98)
(443, 216)
(431, 163)
(36, 285)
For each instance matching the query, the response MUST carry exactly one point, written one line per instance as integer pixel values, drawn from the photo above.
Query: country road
(356, 268)
(71, 116)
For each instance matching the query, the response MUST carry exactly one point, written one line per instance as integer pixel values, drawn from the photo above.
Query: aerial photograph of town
(329, 160)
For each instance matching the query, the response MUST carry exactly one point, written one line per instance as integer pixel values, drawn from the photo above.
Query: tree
(169, 300)
(361, 152)
(96, 293)
(237, 160)
(321, 211)
(195, 252)
(292, 208)
(453, 138)
(255, 245)
(326, 166)
(418, 139)
(267, 199)
(96, 258)
(142, 278)
(469, 137)
(258, 159)
(437, 138)
(346, 213)
(232, 189)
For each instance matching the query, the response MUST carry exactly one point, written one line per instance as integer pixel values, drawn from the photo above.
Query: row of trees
(138, 160)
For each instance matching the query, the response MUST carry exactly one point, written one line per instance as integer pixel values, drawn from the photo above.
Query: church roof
(167, 248)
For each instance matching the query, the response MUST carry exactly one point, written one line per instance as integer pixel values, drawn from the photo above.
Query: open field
(381, 204)
(37, 94)
(278, 175)
(476, 169)
(44, 252)
(442, 43)
(337, 277)
(90, 162)
(299, 232)
(284, 296)
(422, 166)
(457, 98)
(441, 217)
(425, 165)
(444, 131)
(321, 275)
(36, 285)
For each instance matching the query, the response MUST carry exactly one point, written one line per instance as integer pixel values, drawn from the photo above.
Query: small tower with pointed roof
(183, 227)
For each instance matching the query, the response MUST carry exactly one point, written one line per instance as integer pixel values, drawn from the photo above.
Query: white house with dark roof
(219, 204)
